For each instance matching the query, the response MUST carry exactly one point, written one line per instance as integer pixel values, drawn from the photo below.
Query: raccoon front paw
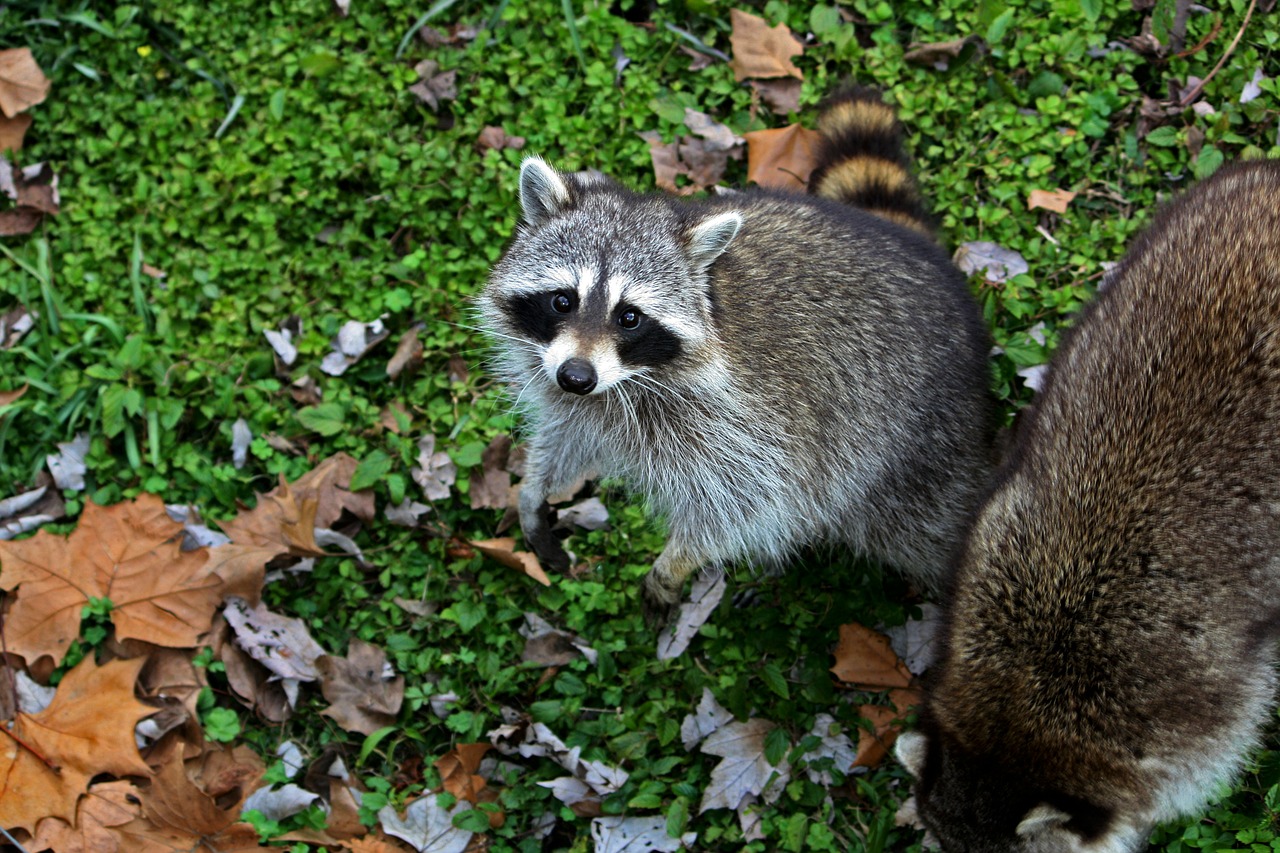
(551, 554)
(535, 522)
(660, 601)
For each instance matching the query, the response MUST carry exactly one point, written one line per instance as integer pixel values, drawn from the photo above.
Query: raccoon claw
(551, 554)
(660, 604)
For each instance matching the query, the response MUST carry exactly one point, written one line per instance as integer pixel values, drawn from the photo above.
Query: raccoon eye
(561, 304)
(629, 319)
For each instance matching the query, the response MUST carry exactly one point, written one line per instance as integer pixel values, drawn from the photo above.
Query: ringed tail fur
(862, 161)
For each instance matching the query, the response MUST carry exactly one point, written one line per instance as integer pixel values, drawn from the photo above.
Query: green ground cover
(270, 159)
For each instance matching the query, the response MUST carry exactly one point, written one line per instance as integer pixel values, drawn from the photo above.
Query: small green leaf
(222, 725)
(472, 820)
(326, 419)
(1000, 26)
(774, 680)
(371, 471)
(372, 741)
(776, 746)
(1163, 136)
(275, 106)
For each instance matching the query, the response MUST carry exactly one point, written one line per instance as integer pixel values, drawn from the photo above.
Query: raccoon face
(599, 286)
(971, 806)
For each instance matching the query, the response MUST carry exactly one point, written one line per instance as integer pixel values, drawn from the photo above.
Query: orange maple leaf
(47, 759)
(128, 553)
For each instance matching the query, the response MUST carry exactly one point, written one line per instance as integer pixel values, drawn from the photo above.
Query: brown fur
(1113, 626)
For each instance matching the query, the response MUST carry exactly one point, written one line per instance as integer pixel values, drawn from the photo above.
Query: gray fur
(1111, 647)
(831, 386)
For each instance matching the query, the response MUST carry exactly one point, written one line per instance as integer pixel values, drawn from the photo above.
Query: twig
(1199, 87)
(31, 749)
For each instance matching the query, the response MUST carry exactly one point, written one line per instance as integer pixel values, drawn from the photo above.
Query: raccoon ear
(543, 191)
(710, 237)
(1041, 818)
(911, 749)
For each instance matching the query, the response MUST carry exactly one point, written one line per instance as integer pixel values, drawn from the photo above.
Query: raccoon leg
(535, 522)
(550, 468)
(665, 582)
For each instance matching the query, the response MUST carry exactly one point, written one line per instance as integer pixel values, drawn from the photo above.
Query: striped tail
(862, 162)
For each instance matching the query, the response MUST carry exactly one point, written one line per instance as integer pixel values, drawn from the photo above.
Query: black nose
(576, 376)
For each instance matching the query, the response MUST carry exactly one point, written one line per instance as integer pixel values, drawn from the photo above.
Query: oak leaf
(128, 553)
(106, 804)
(22, 83)
(760, 50)
(86, 730)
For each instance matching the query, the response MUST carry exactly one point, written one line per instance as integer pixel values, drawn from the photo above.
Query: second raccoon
(1112, 643)
(767, 369)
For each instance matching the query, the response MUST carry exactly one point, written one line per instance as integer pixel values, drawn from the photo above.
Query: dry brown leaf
(86, 730)
(22, 83)
(434, 86)
(874, 745)
(491, 487)
(7, 397)
(760, 50)
(1055, 200)
(361, 699)
(937, 52)
(503, 550)
(408, 354)
(106, 804)
(328, 483)
(375, 844)
(782, 157)
(195, 806)
(458, 770)
(249, 680)
(19, 221)
(280, 524)
(497, 138)
(13, 131)
(129, 553)
(864, 658)
(782, 95)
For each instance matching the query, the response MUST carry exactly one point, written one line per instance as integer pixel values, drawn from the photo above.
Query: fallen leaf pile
(34, 188)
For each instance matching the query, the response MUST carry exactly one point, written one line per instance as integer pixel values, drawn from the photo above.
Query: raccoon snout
(576, 376)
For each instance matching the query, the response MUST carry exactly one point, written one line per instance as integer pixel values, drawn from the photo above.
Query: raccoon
(1111, 641)
(768, 369)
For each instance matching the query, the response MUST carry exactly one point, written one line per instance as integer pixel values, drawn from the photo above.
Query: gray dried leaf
(427, 826)
(241, 438)
(708, 717)
(616, 834)
(708, 590)
(280, 803)
(995, 262)
(282, 644)
(67, 466)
